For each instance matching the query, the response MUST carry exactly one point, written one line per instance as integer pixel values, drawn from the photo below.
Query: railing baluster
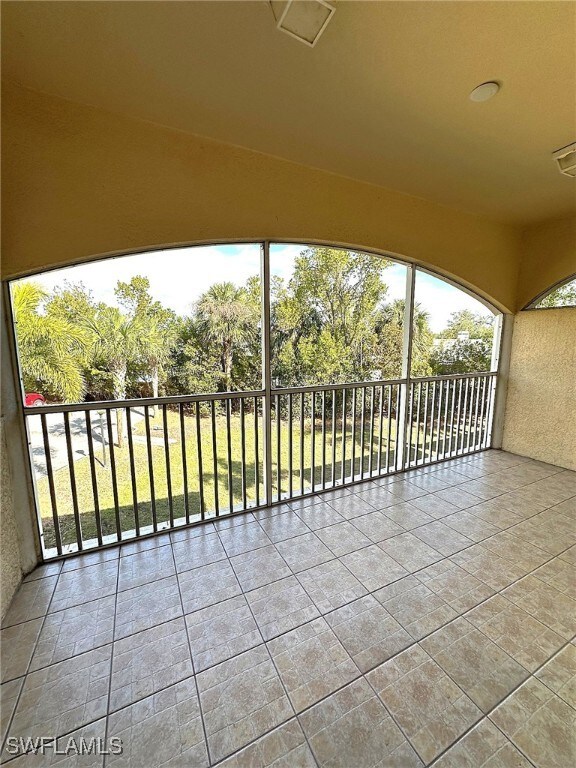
(458, 416)
(343, 467)
(168, 466)
(72, 474)
(397, 437)
(302, 443)
(313, 451)
(425, 424)
(290, 447)
(150, 468)
(184, 461)
(418, 409)
(353, 458)
(333, 467)
(362, 432)
(381, 430)
(278, 448)
(466, 386)
(52, 489)
(229, 455)
(243, 452)
(323, 476)
(411, 395)
(256, 454)
(93, 478)
(113, 471)
(432, 419)
(480, 434)
(132, 471)
(489, 407)
(200, 466)
(370, 456)
(445, 419)
(389, 430)
(215, 459)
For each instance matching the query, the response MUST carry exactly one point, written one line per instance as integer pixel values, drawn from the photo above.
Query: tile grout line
(111, 664)
(275, 669)
(200, 710)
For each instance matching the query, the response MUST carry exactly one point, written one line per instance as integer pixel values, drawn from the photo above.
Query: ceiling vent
(304, 20)
(566, 159)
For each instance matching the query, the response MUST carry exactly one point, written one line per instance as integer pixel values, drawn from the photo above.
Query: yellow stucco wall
(548, 255)
(79, 182)
(540, 419)
(10, 565)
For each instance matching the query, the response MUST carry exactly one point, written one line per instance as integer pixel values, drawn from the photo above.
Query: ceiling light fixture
(566, 159)
(305, 20)
(485, 91)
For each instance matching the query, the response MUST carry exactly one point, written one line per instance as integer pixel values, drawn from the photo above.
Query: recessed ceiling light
(485, 91)
(304, 20)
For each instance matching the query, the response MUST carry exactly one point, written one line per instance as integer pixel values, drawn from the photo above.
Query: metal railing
(113, 471)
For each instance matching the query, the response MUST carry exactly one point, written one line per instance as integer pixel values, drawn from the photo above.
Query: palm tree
(227, 317)
(51, 349)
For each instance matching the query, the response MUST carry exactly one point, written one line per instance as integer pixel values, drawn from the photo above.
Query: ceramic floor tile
(343, 538)
(146, 662)
(559, 574)
(470, 525)
(304, 552)
(17, 644)
(163, 729)
(241, 700)
(569, 555)
(377, 526)
(410, 551)
(44, 570)
(74, 631)
(59, 699)
(539, 535)
(282, 527)
(494, 571)
(520, 505)
(207, 585)
(457, 498)
(494, 513)
(84, 585)
(404, 490)
(145, 567)
(331, 585)
(407, 516)
(243, 538)
(221, 631)
(419, 610)
(284, 747)
(483, 747)
(518, 551)
(481, 668)
(460, 589)
(368, 632)
(442, 538)
(559, 674)
(259, 567)
(540, 724)
(352, 728)
(554, 609)
(195, 531)
(198, 551)
(311, 663)
(434, 506)
(281, 606)
(320, 515)
(145, 606)
(522, 636)
(232, 521)
(429, 707)
(373, 568)
(55, 751)
(91, 558)
(30, 601)
(352, 506)
(9, 693)
(143, 545)
(378, 497)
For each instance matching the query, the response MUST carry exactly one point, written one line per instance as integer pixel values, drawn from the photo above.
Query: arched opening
(561, 294)
(170, 387)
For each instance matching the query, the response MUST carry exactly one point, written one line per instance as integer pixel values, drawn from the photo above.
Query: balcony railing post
(266, 370)
(404, 458)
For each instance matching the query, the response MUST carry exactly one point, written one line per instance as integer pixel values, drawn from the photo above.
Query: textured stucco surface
(540, 419)
(10, 568)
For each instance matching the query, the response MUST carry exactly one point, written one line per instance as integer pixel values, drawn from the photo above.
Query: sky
(178, 276)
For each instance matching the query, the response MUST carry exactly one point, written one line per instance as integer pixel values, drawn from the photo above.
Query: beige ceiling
(382, 98)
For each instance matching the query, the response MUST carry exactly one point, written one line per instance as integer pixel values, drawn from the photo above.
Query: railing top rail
(138, 402)
(471, 375)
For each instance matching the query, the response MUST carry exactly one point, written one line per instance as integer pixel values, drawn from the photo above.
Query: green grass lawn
(212, 480)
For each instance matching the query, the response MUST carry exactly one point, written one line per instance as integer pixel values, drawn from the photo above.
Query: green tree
(52, 350)
(564, 296)
(226, 323)
(464, 346)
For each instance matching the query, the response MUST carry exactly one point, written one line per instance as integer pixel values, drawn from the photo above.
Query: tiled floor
(415, 620)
